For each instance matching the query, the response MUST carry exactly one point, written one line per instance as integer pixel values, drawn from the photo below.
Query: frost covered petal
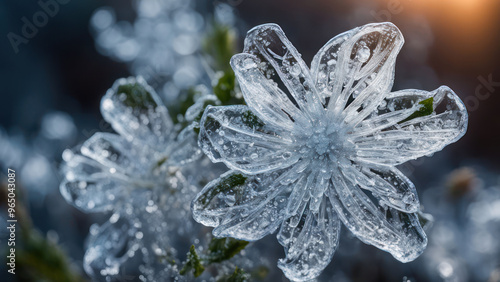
(277, 54)
(108, 248)
(235, 136)
(355, 70)
(240, 206)
(262, 95)
(388, 184)
(87, 184)
(394, 136)
(309, 242)
(393, 231)
(185, 149)
(136, 112)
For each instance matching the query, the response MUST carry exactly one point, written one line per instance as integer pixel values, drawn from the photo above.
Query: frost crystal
(138, 175)
(323, 149)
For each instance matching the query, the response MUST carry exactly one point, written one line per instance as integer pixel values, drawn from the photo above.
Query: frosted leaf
(236, 137)
(309, 246)
(136, 112)
(334, 139)
(240, 206)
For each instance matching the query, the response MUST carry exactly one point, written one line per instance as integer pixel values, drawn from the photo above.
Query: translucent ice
(323, 149)
(139, 175)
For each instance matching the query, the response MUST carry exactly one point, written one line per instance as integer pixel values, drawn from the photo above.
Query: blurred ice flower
(137, 174)
(161, 44)
(325, 151)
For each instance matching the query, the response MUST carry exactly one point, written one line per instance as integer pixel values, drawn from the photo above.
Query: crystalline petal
(396, 232)
(88, 185)
(363, 70)
(108, 248)
(310, 245)
(269, 42)
(114, 152)
(242, 207)
(417, 137)
(226, 135)
(185, 149)
(143, 121)
(262, 95)
(198, 107)
(387, 184)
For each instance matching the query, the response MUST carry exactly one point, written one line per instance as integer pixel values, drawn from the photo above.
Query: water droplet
(363, 54)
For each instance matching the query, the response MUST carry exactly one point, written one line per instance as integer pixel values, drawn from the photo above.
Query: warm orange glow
(466, 28)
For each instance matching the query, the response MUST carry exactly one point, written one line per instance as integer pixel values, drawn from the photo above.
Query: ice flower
(137, 175)
(318, 146)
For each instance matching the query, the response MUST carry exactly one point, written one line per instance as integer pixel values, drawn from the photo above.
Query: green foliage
(237, 276)
(41, 259)
(220, 46)
(136, 96)
(426, 109)
(221, 249)
(193, 263)
(185, 100)
(224, 89)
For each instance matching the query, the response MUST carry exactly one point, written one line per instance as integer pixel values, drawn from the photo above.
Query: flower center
(325, 141)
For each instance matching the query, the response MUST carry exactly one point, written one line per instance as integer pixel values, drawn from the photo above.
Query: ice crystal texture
(137, 175)
(318, 146)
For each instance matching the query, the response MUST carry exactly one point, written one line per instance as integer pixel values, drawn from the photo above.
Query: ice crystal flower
(323, 149)
(138, 175)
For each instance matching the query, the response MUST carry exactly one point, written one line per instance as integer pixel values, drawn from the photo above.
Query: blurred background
(53, 80)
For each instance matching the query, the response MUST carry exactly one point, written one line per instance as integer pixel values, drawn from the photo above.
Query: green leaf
(237, 276)
(193, 263)
(136, 96)
(224, 89)
(426, 109)
(221, 249)
(220, 46)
